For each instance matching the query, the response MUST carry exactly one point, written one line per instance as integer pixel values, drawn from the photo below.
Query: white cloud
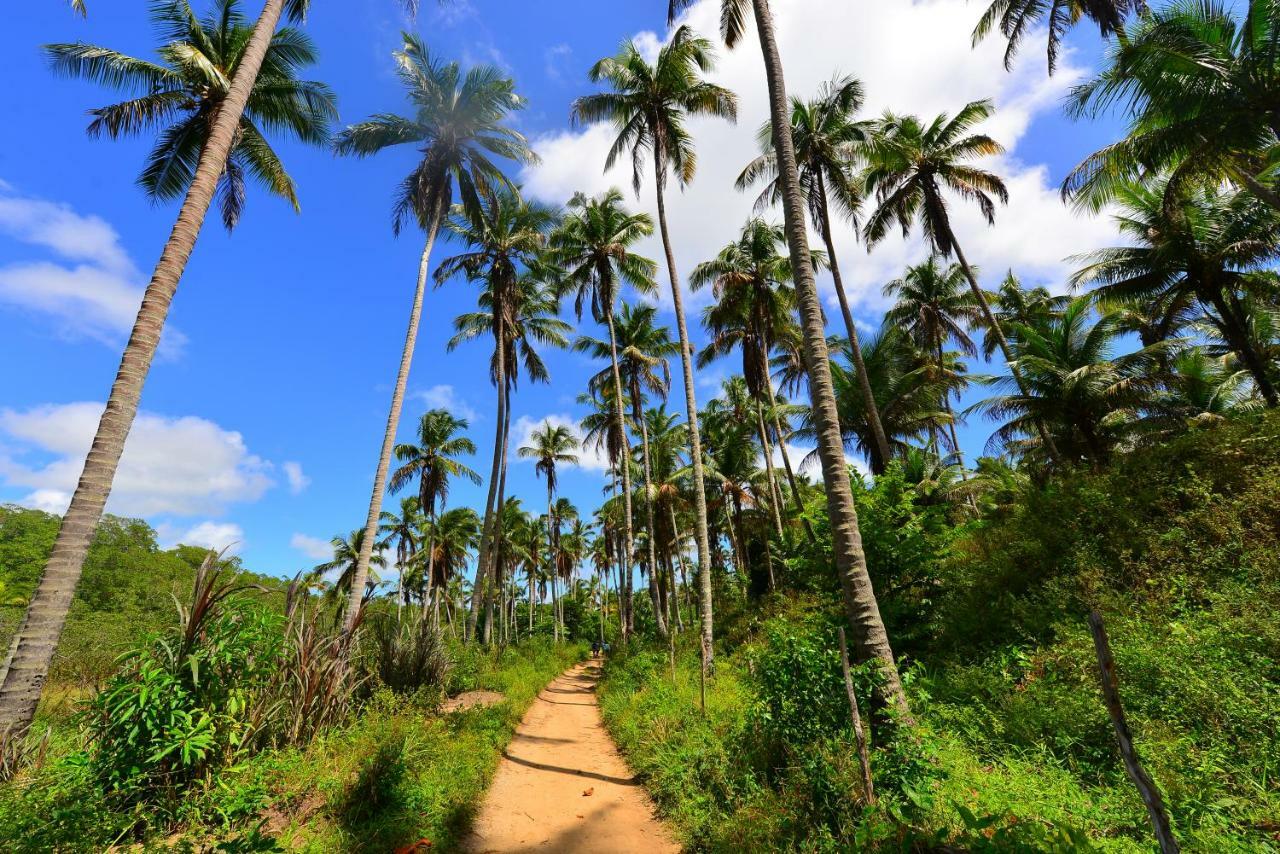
(208, 534)
(941, 72)
(446, 397)
(522, 432)
(184, 466)
(293, 473)
(554, 60)
(312, 547)
(92, 290)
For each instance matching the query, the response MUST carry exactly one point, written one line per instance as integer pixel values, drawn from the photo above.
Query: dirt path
(562, 786)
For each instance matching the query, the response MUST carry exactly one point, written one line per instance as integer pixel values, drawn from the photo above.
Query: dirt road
(563, 787)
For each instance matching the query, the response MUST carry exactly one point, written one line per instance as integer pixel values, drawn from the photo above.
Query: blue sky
(263, 415)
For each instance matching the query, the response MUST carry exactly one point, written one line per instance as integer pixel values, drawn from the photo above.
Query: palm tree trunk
(870, 638)
(691, 409)
(1237, 335)
(432, 591)
(659, 617)
(486, 529)
(993, 326)
(620, 416)
(389, 435)
(860, 367)
(551, 550)
(775, 494)
(33, 646)
(499, 534)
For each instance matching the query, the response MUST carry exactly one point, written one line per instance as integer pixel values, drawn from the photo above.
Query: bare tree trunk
(33, 645)
(858, 733)
(620, 416)
(775, 494)
(1124, 738)
(870, 638)
(498, 533)
(486, 529)
(864, 379)
(389, 435)
(691, 409)
(659, 618)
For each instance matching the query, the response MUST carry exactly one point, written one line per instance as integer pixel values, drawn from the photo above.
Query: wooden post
(858, 733)
(1111, 696)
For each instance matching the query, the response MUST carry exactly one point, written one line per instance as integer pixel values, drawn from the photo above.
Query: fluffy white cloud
(209, 534)
(312, 547)
(522, 434)
(185, 466)
(940, 72)
(92, 290)
(298, 481)
(446, 397)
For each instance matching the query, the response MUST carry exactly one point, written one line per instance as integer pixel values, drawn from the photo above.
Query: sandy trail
(539, 798)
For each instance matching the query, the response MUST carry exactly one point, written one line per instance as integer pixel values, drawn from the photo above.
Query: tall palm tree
(1018, 18)
(827, 140)
(594, 244)
(871, 641)
(402, 531)
(33, 646)
(649, 104)
(180, 95)
(517, 307)
(1214, 245)
(911, 163)
(551, 445)
(933, 308)
(1014, 306)
(453, 537)
(432, 462)
(641, 369)
(1198, 83)
(459, 127)
(346, 554)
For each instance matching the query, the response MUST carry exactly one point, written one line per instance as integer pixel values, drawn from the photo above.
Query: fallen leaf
(588, 792)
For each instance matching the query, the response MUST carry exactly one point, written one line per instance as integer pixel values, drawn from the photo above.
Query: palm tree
(1198, 84)
(346, 554)
(432, 462)
(641, 369)
(827, 140)
(458, 125)
(453, 537)
(933, 308)
(550, 446)
(1091, 399)
(1018, 18)
(871, 641)
(1013, 306)
(594, 244)
(911, 163)
(182, 93)
(1215, 245)
(1204, 388)
(37, 637)
(518, 308)
(403, 531)
(649, 104)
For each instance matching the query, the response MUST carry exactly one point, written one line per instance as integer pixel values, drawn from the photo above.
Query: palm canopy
(549, 446)
(1013, 305)
(433, 460)
(178, 97)
(457, 125)
(1016, 19)
(934, 306)
(649, 104)
(454, 536)
(346, 552)
(911, 163)
(827, 140)
(1201, 86)
(593, 246)
(643, 350)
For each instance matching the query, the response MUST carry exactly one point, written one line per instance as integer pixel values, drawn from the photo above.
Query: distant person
(606, 648)
(595, 649)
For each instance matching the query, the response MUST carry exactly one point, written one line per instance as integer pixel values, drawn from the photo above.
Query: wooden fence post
(1132, 766)
(858, 733)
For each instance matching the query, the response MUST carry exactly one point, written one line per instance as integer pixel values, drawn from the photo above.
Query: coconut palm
(594, 245)
(1215, 246)
(346, 555)
(177, 98)
(1016, 19)
(641, 349)
(432, 462)
(458, 125)
(503, 237)
(551, 445)
(910, 165)
(827, 138)
(1014, 306)
(31, 651)
(934, 309)
(1200, 86)
(871, 641)
(649, 104)
(402, 531)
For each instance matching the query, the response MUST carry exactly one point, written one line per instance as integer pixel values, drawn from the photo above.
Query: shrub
(405, 656)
